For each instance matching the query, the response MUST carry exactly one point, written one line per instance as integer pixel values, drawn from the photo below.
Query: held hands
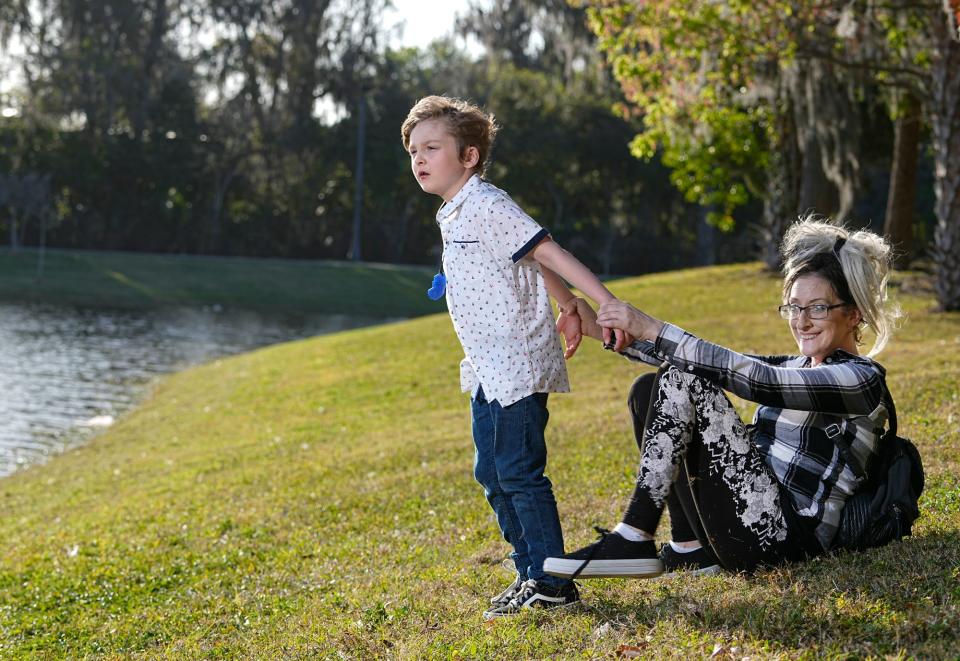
(577, 309)
(619, 314)
(616, 338)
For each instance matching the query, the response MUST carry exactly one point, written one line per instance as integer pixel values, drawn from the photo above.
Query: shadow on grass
(903, 596)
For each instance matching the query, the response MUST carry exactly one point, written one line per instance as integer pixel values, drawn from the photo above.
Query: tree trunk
(42, 251)
(816, 194)
(706, 239)
(210, 240)
(399, 234)
(558, 209)
(945, 124)
(898, 224)
(356, 254)
(158, 28)
(608, 243)
(14, 237)
(829, 121)
(782, 196)
(222, 179)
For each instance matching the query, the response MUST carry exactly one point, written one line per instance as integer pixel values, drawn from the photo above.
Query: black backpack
(885, 506)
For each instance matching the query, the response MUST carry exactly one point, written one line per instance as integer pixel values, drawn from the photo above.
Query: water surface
(66, 373)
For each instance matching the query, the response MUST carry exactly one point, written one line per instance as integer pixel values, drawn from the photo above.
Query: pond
(67, 373)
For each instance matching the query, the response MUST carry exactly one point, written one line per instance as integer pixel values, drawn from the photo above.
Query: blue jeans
(511, 455)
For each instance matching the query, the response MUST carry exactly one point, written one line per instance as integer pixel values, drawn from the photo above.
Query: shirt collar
(448, 208)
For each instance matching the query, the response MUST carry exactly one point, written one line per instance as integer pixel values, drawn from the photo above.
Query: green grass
(137, 280)
(315, 500)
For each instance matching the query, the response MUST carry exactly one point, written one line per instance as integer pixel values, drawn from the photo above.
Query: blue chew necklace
(438, 287)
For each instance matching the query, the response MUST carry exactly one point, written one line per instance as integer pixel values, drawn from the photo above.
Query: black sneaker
(504, 597)
(612, 555)
(698, 563)
(536, 595)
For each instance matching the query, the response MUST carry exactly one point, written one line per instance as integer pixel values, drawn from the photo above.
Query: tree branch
(809, 52)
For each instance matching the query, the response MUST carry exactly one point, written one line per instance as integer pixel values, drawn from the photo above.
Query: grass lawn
(137, 280)
(315, 500)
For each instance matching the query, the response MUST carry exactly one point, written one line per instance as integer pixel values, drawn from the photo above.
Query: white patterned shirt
(497, 297)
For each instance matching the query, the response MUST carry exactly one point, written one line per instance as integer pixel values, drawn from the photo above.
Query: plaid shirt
(817, 427)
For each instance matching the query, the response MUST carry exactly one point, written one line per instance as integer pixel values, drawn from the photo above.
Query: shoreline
(94, 366)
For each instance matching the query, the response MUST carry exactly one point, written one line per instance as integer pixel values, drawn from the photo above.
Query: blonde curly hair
(856, 263)
(469, 125)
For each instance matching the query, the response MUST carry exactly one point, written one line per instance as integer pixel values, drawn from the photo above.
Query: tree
(915, 47)
(944, 116)
(25, 197)
(898, 223)
(562, 151)
(281, 66)
(699, 71)
(717, 103)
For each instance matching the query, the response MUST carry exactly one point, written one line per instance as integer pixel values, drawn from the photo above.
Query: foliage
(765, 100)
(315, 500)
(704, 79)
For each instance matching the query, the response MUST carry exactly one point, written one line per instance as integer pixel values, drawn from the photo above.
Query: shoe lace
(602, 534)
(527, 590)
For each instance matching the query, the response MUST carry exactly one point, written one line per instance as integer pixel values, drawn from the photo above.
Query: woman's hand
(589, 326)
(619, 314)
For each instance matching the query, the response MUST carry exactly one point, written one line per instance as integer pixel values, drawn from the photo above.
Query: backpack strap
(891, 410)
(885, 443)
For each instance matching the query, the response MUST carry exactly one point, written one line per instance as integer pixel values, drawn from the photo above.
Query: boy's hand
(588, 320)
(568, 323)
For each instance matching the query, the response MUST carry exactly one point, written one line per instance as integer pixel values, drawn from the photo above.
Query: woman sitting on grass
(740, 495)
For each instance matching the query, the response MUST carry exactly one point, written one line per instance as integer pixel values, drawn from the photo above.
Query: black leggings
(697, 459)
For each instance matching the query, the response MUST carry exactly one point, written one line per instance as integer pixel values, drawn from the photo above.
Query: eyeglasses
(815, 311)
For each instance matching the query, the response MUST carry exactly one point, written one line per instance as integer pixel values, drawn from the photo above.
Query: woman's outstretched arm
(852, 387)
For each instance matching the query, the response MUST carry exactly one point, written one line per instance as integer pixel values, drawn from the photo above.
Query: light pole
(355, 254)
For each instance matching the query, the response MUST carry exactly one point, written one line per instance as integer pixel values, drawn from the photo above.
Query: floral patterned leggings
(697, 459)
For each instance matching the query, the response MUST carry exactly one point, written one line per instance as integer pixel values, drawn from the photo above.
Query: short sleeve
(508, 232)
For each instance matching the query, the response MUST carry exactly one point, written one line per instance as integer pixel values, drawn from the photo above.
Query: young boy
(500, 265)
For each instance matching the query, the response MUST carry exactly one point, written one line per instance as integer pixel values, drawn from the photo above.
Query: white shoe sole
(712, 570)
(492, 615)
(632, 568)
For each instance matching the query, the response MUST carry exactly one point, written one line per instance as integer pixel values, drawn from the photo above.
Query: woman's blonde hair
(857, 265)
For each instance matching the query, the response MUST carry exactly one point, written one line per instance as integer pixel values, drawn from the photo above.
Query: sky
(425, 21)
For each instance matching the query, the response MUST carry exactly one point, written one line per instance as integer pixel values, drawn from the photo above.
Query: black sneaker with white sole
(534, 594)
(508, 594)
(700, 562)
(610, 556)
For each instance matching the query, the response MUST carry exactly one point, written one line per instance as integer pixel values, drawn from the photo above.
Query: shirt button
(689, 368)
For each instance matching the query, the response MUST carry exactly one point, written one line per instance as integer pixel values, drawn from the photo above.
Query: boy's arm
(550, 255)
(558, 290)
(571, 269)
